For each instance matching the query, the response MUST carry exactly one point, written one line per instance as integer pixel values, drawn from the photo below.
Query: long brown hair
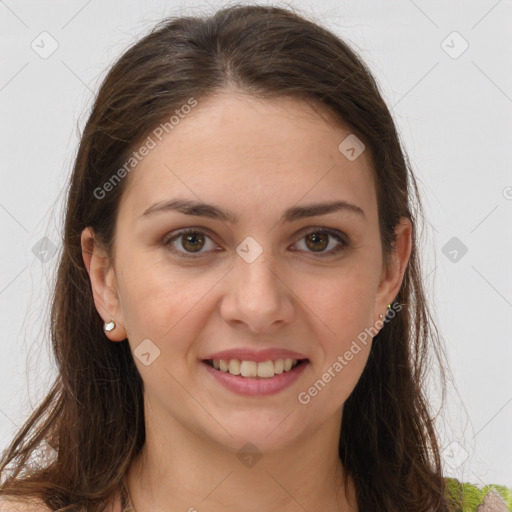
(93, 415)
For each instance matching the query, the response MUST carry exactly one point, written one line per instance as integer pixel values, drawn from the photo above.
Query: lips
(269, 384)
(255, 372)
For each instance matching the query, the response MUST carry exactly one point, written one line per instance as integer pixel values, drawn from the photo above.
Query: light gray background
(454, 117)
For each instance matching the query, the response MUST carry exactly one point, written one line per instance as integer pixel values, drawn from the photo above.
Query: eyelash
(337, 235)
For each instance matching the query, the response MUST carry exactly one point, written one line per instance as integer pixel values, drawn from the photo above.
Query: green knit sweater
(466, 497)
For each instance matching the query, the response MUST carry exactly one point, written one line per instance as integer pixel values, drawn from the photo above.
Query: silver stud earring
(110, 326)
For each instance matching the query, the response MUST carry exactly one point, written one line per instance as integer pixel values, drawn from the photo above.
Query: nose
(257, 295)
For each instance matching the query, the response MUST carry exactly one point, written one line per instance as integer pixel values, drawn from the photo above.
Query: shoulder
(22, 505)
(467, 497)
(493, 502)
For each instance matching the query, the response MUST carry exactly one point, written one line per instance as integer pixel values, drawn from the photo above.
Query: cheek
(345, 313)
(159, 300)
(345, 339)
(330, 388)
(344, 304)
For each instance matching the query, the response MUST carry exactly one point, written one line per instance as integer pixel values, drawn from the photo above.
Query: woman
(239, 318)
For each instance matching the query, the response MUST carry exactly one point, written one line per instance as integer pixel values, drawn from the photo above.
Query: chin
(266, 436)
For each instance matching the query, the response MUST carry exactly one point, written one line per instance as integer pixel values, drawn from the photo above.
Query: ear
(392, 275)
(103, 283)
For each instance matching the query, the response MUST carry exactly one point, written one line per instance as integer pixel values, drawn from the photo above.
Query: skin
(256, 158)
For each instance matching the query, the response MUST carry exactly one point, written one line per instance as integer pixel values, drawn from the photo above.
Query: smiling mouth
(253, 369)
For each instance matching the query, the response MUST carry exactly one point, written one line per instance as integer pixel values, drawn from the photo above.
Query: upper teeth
(265, 369)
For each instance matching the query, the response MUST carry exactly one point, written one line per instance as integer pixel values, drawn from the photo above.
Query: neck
(193, 473)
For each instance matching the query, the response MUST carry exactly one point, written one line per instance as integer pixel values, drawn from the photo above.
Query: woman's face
(259, 276)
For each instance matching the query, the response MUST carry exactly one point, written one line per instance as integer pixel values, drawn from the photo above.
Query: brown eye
(189, 242)
(319, 240)
(193, 241)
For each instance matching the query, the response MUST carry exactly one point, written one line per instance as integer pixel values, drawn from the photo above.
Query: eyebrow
(197, 208)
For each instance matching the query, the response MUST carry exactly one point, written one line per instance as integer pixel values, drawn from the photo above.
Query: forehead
(253, 155)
